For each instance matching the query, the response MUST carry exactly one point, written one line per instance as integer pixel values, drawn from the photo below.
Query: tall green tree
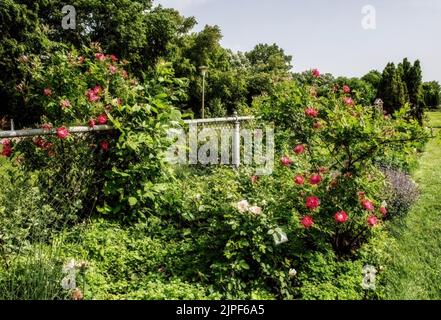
(373, 77)
(414, 88)
(391, 89)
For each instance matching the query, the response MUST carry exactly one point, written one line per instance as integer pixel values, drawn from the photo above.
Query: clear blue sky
(328, 34)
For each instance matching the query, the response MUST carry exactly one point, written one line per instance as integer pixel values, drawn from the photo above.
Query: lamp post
(204, 70)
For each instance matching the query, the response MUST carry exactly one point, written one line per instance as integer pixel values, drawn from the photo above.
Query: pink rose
(312, 202)
(112, 69)
(315, 179)
(348, 101)
(372, 221)
(299, 180)
(368, 205)
(62, 132)
(299, 149)
(341, 217)
(113, 58)
(100, 56)
(47, 92)
(102, 119)
(311, 112)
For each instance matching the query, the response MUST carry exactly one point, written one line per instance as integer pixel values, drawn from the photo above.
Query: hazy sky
(328, 34)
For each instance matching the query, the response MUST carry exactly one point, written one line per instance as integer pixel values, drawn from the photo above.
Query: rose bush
(91, 88)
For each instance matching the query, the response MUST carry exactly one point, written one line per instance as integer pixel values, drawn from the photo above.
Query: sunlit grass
(415, 272)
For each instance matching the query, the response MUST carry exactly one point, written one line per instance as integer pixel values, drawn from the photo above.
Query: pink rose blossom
(62, 132)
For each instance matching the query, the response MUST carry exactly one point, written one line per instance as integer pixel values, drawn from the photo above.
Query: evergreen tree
(392, 89)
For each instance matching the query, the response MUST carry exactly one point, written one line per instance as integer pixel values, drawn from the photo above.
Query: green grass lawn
(415, 272)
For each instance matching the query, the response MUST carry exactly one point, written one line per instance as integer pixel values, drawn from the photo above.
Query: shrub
(93, 88)
(402, 192)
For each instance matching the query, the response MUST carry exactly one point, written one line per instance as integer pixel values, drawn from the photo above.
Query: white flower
(69, 266)
(69, 282)
(255, 210)
(243, 206)
(292, 272)
(384, 204)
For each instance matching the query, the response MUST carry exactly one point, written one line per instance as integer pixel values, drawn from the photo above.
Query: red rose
(312, 202)
(315, 73)
(104, 145)
(62, 132)
(286, 161)
(299, 149)
(315, 179)
(102, 119)
(40, 142)
(307, 222)
(341, 217)
(372, 221)
(113, 58)
(254, 179)
(47, 92)
(368, 205)
(311, 112)
(6, 150)
(100, 56)
(91, 123)
(299, 180)
(346, 89)
(383, 211)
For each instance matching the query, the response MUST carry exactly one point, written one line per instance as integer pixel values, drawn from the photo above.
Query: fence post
(236, 142)
(12, 125)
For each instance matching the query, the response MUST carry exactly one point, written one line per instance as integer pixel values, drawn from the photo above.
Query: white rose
(243, 206)
(255, 210)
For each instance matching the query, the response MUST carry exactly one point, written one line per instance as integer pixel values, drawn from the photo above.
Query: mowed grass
(434, 119)
(415, 272)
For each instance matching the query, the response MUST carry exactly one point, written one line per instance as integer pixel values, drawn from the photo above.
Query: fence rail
(235, 120)
(42, 132)
(83, 129)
